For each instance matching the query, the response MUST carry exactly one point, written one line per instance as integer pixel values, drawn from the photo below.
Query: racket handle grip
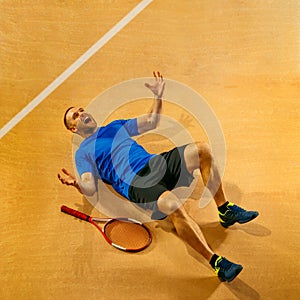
(74, 213)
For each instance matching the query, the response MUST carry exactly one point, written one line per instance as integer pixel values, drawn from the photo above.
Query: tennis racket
(125, 234)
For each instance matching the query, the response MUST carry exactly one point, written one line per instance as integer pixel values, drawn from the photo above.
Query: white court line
(71, 69)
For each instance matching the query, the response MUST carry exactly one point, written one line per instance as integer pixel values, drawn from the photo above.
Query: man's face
(81, 122)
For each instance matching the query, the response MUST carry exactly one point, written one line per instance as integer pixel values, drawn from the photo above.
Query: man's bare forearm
(154, 115)
(151, 120)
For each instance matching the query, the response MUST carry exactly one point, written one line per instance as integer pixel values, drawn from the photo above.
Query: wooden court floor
(242, 57)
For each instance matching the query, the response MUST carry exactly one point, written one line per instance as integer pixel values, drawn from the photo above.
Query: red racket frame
(92, 220)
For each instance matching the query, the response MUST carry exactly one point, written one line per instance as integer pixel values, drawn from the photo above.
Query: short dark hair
(65, 117)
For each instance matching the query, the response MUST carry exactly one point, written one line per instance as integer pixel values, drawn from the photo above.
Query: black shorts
(163, 172)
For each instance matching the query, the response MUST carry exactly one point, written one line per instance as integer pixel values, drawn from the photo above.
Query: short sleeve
(83, 164)
(131, 127)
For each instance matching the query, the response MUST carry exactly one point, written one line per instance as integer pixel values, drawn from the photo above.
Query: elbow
(152, 123)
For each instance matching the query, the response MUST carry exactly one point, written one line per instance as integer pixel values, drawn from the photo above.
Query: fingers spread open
(154, 74)
(65, 171)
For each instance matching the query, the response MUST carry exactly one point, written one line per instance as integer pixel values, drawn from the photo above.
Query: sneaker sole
(227, 224)
(236, 273)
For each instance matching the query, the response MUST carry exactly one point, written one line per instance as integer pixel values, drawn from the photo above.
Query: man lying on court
(110, 154)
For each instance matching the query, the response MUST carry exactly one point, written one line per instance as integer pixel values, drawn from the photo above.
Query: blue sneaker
(226, 270)
(234, 214)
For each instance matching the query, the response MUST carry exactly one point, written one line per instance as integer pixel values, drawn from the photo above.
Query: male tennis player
(110, 154)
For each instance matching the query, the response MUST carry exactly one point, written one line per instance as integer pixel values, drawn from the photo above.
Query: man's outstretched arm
(150, 121)
(86, 185)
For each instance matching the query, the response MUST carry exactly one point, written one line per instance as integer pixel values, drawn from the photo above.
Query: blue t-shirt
(112, 155)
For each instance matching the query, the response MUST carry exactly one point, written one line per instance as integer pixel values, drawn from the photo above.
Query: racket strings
(127, 235)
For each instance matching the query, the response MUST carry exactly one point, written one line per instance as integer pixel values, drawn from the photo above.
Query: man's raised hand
(158, 87)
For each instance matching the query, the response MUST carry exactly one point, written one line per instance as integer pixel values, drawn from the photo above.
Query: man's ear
(73, 129)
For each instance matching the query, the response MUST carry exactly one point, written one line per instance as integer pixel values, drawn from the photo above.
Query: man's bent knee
(195, 153)
(168, 203)
(203, 149)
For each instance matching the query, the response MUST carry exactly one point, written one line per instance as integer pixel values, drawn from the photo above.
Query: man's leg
(191, 233)
(185, 226)
(199, 156)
